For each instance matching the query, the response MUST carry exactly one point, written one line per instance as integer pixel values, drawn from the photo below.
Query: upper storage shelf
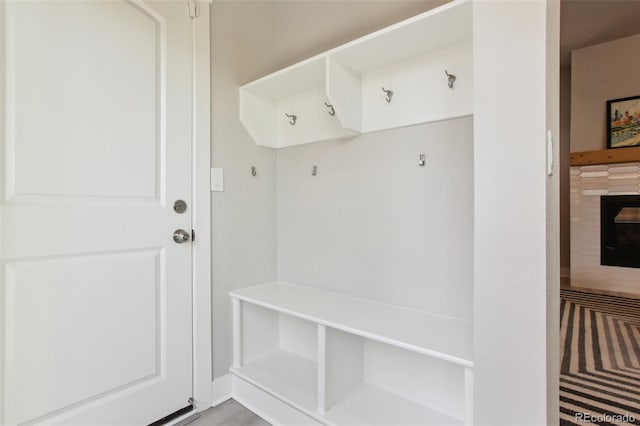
(391, 78)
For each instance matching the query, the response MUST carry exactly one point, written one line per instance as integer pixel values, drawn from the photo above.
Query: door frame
(201, 212)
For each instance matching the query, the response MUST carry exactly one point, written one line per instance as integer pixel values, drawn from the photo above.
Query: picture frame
(623, 122)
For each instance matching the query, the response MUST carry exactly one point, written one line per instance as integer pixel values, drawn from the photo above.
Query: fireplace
(620, 230)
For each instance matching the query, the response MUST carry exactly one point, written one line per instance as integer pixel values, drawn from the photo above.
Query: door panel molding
(41, 66)
(83, 295)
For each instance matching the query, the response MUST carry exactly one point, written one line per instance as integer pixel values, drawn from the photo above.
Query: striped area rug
(600, 359)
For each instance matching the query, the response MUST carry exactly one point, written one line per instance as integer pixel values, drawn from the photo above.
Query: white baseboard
(268, 407)
(258, 401)
(221, 389)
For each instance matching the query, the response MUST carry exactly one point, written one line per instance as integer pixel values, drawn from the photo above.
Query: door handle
(181, 236)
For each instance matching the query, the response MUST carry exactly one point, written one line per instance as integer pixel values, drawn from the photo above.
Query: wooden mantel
(606, 156)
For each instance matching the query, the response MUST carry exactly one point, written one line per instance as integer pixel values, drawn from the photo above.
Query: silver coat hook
(332, 111)
(293, 118)
(389, 94)
(253, 171)
(422, 161)
(314, 170)
(451, 78)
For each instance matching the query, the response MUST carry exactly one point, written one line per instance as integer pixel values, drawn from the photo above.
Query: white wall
(305, 28)
(600, 73)
(374, 224)
(511, 350)
(244, 215)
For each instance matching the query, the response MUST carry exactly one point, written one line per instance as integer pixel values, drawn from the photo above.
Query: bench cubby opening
(277, 351)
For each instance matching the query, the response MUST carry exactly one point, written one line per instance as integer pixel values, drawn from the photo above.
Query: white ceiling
(588, 22)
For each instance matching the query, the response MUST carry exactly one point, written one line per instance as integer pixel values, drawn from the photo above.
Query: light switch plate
(217, 179)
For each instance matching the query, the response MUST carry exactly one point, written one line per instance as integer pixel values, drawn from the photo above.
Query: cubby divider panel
(313, 121)
(344, 364)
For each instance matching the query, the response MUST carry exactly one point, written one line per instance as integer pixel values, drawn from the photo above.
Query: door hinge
(194, 9)
(193, 235)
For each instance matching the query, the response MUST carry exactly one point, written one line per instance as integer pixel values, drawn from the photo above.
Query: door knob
(181, 236)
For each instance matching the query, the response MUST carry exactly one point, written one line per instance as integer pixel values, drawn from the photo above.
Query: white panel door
(95, 134)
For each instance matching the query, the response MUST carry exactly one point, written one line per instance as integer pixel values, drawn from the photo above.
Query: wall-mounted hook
(422, 161)
(293, 118)
(314, 170)
(451, 78)
(253, 171)
(332, 111)
(389, 94)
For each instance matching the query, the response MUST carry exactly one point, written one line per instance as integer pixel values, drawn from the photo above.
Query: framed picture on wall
(623, 122)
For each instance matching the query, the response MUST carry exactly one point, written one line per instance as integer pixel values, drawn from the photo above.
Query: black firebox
(620, 230)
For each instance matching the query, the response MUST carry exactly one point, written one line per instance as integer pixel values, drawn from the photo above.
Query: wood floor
(229, 413)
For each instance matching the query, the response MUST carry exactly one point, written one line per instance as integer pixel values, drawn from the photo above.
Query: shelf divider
(468, 396)
(322, 368)
(237, 332)
(344, 89)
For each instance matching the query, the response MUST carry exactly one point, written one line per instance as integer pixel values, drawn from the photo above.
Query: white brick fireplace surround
(588, 183)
